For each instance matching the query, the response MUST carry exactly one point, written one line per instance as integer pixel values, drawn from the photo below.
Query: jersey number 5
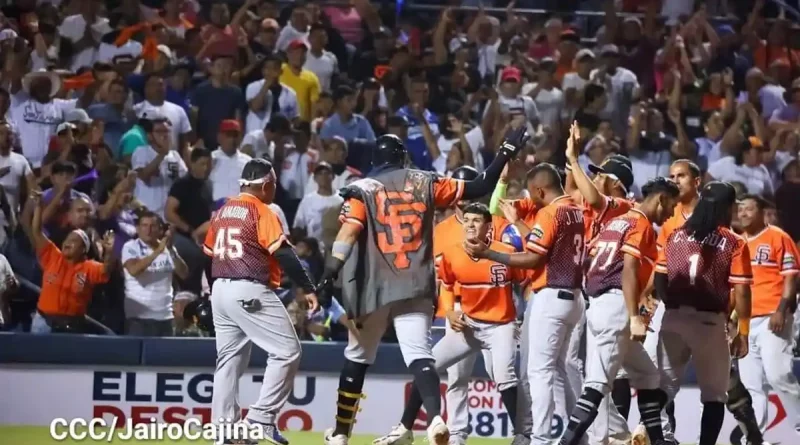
(401, 218)
(227, 244)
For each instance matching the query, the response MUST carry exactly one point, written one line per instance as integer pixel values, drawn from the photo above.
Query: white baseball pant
(769, 364)
(550, 318)
(651, 346)
(412, 324)
(687, 333)
(610, 348)
(265, 323)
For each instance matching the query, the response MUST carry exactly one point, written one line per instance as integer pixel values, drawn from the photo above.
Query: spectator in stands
(216, 100)
(154, 102)
(319, 61)
(16, 176)
(745, 166)
(304, 83)
(188, 209)
(334, 153)
(149, 263)
(58, 199)
(419, 117)
(315, 206)
(261, 97)
(343, 122)
(262, 143)
(118, 119)
(296, 30)
(8, 286)
(135, 137)
(157, 165)
(227, 162)
(68, 276)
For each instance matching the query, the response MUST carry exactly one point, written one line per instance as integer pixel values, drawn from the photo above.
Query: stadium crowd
(127, 123)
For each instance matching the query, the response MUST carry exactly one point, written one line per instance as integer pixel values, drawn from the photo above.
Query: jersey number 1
(694, 260)
(401, 218)
(227, 244)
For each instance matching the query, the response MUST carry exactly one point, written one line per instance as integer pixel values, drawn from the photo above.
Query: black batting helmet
(199, 311)
(255, 171)
(465, 173)
(389, 150)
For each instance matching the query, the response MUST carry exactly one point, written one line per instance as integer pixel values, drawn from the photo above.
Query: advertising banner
(37, 395)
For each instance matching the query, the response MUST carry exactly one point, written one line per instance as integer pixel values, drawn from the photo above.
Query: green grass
(36, 435)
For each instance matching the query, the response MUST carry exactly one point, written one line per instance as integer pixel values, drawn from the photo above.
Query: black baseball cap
(323, 166)
(622, 159)
(618, 170)
(718, 191)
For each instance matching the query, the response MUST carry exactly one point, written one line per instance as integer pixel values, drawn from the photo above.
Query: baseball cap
(616, 170)
(269, 23)
(230, 126)
(511, 74)
(725, 30)
(297, 43)
(323, 166)
(64, 126)
(255, 171)
(548, 64)
(718, 191)
(77, 115)
(609, 50)
(622, 159)
(584, 53)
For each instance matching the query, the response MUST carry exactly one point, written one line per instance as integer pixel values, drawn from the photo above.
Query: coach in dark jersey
(249, 251)
(385, 250)
(694, 274)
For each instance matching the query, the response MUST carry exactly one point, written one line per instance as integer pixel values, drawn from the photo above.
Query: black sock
(509, 398)
(427, 382)
(740, 404)
(711, 422)
(351, 382)
(412, 407)
(651, 402)
(582, 416)
(621, 395)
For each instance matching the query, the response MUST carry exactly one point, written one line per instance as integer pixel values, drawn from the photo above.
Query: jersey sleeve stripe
(352, 220)
(788, 272)
(447, 286)
(536, 248)
(207, 250)
(276, 244)
(660, 268)
(740, 280)
(630, 250)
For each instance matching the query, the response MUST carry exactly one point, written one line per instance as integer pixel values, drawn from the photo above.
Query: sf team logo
(763, 252)
(498, 274)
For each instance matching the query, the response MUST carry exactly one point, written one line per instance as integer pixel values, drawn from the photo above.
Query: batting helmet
(465, 173)
(199, 311)
(389, 150)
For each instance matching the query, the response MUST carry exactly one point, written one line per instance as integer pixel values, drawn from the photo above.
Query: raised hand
(515, 140)
(572, 142)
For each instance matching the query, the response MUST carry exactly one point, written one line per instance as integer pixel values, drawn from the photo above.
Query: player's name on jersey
(713, 239)
(235, 212)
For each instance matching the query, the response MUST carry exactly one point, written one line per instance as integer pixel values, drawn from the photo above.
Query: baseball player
(248, 251)
(623, 256)
(385, 247)
(522, 213)
(450, 232)
(604, 198)
(555, 251)
(774, 260)
(692, 275)
(485, 319)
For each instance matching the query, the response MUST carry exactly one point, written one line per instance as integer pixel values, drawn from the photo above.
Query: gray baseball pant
(237, 327)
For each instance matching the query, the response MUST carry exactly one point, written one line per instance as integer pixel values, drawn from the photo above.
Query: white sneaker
(330, 439)
(640, 436)
(399, 435)
(438, 433)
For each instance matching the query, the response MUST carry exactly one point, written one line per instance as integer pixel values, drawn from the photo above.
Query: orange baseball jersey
(594, 220)
(67, 287)
(631, 234)
(484, 286)
(672, 224)
(243, 235)
(773, 259)
(700, 272)
(451, 232)
(558, 233)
